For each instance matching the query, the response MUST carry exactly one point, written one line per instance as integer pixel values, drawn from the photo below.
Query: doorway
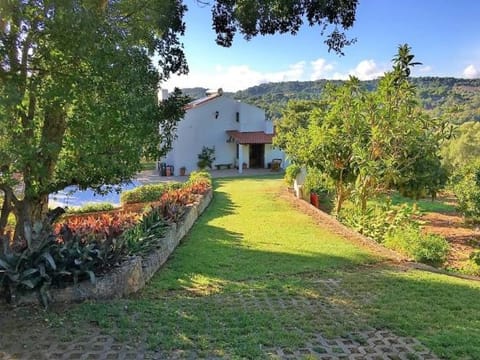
(257, 155)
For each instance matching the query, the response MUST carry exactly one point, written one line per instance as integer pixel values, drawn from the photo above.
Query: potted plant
(183, 171)
(206, 158)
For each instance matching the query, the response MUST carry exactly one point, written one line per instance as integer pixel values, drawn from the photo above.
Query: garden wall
(134, 273)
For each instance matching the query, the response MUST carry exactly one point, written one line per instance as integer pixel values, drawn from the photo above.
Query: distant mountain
(436, 94)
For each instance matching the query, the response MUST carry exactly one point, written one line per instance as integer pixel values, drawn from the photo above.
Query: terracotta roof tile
(201, 101)
(250, 137)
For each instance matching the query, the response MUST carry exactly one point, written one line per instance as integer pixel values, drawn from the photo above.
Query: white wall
(251, 118)
(200, 128)
(273, 153)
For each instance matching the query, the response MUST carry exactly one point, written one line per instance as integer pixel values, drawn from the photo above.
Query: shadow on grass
(233, 301)
(287, 312)
(215, 256)
(441, 311)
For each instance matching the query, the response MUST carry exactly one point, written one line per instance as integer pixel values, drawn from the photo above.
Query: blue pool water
(72, 196)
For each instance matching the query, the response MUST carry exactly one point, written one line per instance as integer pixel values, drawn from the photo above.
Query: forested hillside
(436, 94)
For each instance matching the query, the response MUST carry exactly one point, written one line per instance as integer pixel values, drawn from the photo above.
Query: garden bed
(132, 274)
(104, 254)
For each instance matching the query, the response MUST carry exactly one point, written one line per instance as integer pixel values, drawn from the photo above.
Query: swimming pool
(72, 196)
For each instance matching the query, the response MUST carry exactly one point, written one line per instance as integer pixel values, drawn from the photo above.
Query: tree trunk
(340, 198)
(28, 213)
(5, 212)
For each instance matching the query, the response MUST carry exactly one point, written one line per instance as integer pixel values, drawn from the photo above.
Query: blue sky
(444, 36)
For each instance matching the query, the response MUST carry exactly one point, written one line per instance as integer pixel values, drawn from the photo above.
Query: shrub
(316, 182)
(427, 248)
(466, 187)
(291, 173)
(199, 182)
(380, 219)
(206, 157)
(45, 261)
(144, 237)
(146, 193)
(475, 257)
(91, 207)
(200, 175)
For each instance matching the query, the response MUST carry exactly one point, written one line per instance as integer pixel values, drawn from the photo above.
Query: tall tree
(366, 142)
(78, 102)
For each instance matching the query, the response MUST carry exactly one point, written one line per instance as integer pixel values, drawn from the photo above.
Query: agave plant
(31, 268)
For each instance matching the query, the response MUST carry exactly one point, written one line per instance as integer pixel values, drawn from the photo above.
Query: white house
(240, 133)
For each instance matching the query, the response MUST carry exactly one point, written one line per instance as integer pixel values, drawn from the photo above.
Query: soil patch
(463, 238)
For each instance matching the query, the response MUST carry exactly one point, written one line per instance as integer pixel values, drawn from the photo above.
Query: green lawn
(424, 205)
(255, 273)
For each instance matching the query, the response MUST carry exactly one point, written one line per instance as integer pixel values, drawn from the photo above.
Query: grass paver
(257, 279)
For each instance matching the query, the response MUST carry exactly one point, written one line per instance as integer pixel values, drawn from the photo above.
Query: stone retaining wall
(134, 273)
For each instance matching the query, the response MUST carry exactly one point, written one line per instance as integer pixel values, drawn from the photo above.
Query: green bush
(291, 173)
(47, 261)
(206, 157)
(427, 248)
(147, 193)
(466, 187)
(317, 182)
(380, 219)
(91, 207)
(200, 174)
(145, 236)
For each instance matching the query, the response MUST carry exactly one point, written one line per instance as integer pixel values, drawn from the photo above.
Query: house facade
(240, 133)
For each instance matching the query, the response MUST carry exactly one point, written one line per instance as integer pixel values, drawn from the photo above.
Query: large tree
(78, 102)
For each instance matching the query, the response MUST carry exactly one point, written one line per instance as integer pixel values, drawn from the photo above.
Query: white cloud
(320, 69)
(235, 77)
(367, 70)
(471, 72)
(238, 77)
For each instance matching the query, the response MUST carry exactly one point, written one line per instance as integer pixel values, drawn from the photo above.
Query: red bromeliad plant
(101, 227)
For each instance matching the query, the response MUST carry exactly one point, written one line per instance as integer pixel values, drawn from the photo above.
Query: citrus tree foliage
(78, 94)
(366, 142)
(466, 187)
(463, 148)
(253, 17)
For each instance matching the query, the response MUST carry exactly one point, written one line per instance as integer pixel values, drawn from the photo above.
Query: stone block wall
(134, 273)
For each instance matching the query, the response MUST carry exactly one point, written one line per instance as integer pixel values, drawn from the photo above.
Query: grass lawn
(424, 205)
(255, 274)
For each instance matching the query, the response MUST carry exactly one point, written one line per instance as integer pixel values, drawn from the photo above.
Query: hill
(436, 94)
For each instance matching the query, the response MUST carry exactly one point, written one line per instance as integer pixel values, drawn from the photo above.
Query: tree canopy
(252, 17)
(366, 142)
(78, 95)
